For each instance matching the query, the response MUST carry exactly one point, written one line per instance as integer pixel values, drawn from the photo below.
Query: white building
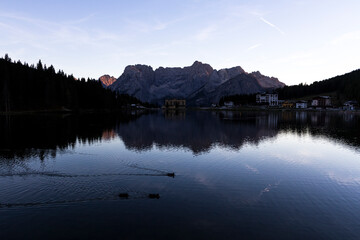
(301, 104)
(269, 98)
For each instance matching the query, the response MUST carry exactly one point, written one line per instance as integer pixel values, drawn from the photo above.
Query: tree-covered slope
(24, 87)
(346, 87)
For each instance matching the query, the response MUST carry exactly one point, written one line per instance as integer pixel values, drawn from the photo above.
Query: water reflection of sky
(236, 175)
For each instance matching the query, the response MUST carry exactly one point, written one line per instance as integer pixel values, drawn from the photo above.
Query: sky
(297, 41)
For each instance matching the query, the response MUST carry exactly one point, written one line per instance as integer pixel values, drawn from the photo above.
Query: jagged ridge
(199, 83)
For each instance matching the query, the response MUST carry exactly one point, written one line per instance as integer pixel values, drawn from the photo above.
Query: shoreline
(260, 109)
(109, 111)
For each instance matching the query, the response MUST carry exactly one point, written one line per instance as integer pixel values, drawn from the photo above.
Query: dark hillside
(33, 88)
(345, 87)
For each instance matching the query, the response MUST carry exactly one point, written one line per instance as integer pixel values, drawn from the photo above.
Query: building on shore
(321, 102)
(175, 104)
(302, 104)
(288, 104)
(272, 99)
(350, 105)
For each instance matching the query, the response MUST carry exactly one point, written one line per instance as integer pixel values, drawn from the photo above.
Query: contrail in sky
(272, 25)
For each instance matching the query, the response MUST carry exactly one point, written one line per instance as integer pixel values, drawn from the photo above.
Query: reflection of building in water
(287, 116)
(273, 120)
(230, 115)
(301, 116)
(172, 114)
(314, 118)
(327, 120)
(175, 104)
(270, 121)
(348, 117)
(320, 119)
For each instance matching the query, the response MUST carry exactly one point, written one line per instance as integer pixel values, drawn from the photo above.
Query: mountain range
(199, 84)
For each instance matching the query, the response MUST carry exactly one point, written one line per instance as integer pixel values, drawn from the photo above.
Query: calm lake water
(248, 175)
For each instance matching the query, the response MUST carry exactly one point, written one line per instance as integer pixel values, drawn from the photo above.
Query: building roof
(323, 97)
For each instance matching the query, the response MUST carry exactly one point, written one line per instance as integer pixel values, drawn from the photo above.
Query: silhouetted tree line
(24, 87)
(245, 99)
(346, 86)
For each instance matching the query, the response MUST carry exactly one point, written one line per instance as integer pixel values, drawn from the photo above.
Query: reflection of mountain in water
(45, 135)
(197, 131)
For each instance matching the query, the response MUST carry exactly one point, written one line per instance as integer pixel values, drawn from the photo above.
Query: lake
(180, 175)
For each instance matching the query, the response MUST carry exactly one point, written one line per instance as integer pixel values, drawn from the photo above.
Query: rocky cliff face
(199, 83)
(267, 82)
(106, 80)
(136, 81)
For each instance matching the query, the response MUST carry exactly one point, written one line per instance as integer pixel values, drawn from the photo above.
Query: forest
(239, 100)
(345, 87)
(38, 88)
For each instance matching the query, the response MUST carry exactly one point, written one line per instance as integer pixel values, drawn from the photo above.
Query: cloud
(151, 25)
(272, 25)
(205, 33)
(37, 32)
(254, 46)
(146, 27)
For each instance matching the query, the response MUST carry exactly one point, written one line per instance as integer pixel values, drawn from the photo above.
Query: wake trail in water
(61, 175)
(148, 169)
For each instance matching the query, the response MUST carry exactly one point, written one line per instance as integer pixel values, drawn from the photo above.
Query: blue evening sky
(293, 40)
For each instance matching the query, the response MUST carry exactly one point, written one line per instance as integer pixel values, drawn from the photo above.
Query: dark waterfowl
(123, 195)
(154, 195)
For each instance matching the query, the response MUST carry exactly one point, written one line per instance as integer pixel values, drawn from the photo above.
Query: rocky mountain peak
(196, 64)
(201, 68)
(199, 83)
(138, 68)
(107, 80)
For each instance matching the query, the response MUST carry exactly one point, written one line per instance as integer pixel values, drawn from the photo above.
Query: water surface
(238, 175)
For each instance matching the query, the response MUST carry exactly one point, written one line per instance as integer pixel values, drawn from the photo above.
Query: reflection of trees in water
(46, 135)
(341, 126)
(26, 136)
(201, 130)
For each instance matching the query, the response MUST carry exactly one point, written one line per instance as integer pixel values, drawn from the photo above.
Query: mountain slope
(198, 83)
(345, 87)
(241, 84)
(267, 82)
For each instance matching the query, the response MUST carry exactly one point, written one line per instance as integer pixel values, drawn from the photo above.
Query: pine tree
(39, 66)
